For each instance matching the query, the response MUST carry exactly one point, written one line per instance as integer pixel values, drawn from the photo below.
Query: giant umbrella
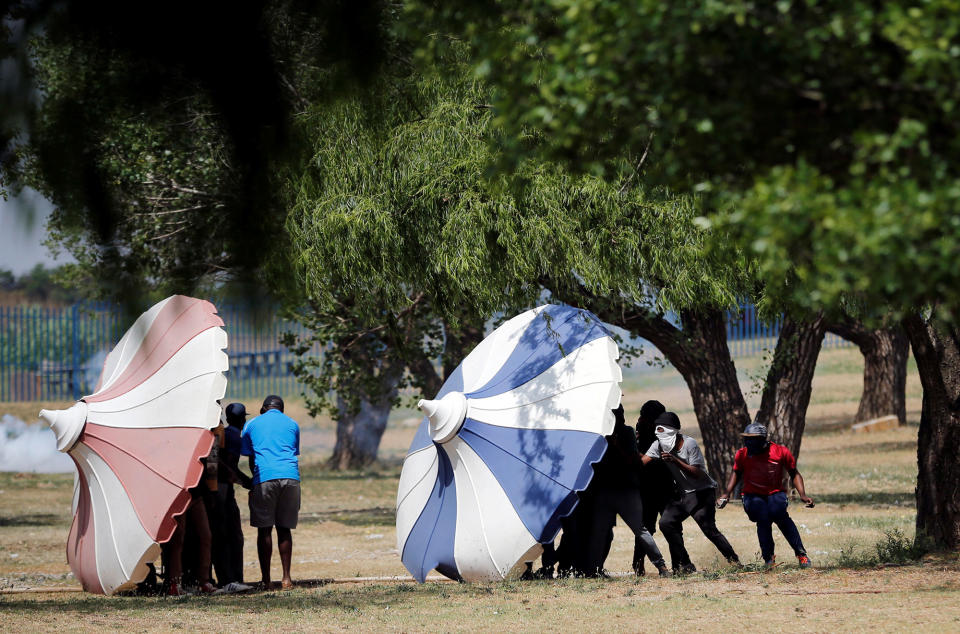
(506, 445)
(138, 438)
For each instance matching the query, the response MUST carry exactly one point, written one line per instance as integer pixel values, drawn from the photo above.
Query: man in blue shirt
(272, 440)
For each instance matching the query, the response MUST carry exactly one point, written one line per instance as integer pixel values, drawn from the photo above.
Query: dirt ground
(863, 484)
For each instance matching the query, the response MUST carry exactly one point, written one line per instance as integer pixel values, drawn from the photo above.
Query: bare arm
(732, 482)
(693, 470)
(798, 485)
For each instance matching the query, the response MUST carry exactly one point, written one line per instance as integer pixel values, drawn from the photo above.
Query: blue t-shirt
(273, 439)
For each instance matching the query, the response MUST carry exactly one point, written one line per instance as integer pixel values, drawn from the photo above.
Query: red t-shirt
(763, 473)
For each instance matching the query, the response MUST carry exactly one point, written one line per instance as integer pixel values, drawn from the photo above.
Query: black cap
(235, 412)
(668, 419)
(651, 409)
(272, 402)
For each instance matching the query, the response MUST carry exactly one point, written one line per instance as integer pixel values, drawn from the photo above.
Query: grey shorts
(275, 503)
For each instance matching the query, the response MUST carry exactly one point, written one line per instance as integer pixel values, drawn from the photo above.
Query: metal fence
(750, 336)
(51, 354)
(56, 353)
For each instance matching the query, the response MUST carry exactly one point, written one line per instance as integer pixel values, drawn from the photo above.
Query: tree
(399, 204)
(141, 122)
(885, 352)
(822, 135)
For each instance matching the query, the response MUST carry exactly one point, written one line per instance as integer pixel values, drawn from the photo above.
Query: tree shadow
(32, 519)
(870, 498)
(374, 516)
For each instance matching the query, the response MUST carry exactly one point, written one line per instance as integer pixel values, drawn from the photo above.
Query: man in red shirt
(760, 465)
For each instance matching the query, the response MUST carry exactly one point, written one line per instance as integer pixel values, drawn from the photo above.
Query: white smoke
(30, 448)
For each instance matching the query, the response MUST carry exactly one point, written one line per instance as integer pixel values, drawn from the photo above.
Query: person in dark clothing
(698, 492)
(228, 551)
(616, 491)
(656, 484)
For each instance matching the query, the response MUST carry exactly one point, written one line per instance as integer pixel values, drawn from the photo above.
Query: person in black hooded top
(616, 491)
(656, 482)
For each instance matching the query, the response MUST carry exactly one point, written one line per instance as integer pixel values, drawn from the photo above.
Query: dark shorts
(275, 503)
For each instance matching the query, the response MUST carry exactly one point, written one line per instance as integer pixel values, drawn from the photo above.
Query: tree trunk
(885, 352)
(359, 431)
(786, 392)
(701, 355)
(707, 367)
(936, 348)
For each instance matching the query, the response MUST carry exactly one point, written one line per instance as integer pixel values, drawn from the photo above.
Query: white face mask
(667, 437)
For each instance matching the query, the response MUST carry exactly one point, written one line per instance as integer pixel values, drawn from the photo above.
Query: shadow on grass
(374, 516)
(867, 498)
(349, 599)
(33, 519)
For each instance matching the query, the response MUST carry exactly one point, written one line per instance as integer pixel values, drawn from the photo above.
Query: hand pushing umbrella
(138, 438)
(509, 440)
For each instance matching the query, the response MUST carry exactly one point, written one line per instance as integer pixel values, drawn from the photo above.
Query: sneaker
(664, 572)
(685, 569)
(545, 572)
(769, 564)
(206, 588)
(176, 590)
(804, 561)
(234, 587)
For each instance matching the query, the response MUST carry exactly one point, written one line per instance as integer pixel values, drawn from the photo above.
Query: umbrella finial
(446, 415)
(66, 424)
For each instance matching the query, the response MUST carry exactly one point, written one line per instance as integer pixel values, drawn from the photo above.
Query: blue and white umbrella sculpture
(509, 440)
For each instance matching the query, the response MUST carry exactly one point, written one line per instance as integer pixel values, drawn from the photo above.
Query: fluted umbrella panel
(138, 439)
(506, 445)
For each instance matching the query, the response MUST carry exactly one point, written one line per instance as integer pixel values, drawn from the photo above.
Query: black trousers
(608, 503)
(701, 505)
(227, 548)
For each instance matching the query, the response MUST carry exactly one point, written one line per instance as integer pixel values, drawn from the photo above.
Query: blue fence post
(75, 370)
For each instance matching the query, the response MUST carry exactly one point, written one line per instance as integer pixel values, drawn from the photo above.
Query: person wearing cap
(656, 482)
(228, 549)
(272, 441)
(760, 465)
(696, 492)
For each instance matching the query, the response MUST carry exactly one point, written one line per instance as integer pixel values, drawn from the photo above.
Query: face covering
(667, 437)
(755, 445)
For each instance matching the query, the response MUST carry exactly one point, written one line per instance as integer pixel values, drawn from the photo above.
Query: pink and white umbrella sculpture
(138, 438)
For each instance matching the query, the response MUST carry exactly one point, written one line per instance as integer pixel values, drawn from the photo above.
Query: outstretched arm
(732, 482)
(798, 485)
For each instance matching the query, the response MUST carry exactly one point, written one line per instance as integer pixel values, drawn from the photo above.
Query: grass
(863, 521)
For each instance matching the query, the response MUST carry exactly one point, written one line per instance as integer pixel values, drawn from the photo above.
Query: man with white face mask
(696, 494)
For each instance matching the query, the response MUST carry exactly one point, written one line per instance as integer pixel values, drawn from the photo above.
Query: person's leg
(778, 512)
(705, 515)
(219, 549)
(233, 535)
(287, 514)
(173, 557)
(629, 506)
(285, 547)
(755, 507)
(650, 512)
(595, 537)
(671, 525)
(201, 527)
(264, 553)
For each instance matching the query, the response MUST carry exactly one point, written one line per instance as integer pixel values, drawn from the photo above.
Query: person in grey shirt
(696, 492)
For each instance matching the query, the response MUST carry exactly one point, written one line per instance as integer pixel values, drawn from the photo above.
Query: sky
(22, 230)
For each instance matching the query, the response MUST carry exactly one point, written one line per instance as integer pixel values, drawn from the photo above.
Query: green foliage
(893, 548)
(404, 201)
(827, 130)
